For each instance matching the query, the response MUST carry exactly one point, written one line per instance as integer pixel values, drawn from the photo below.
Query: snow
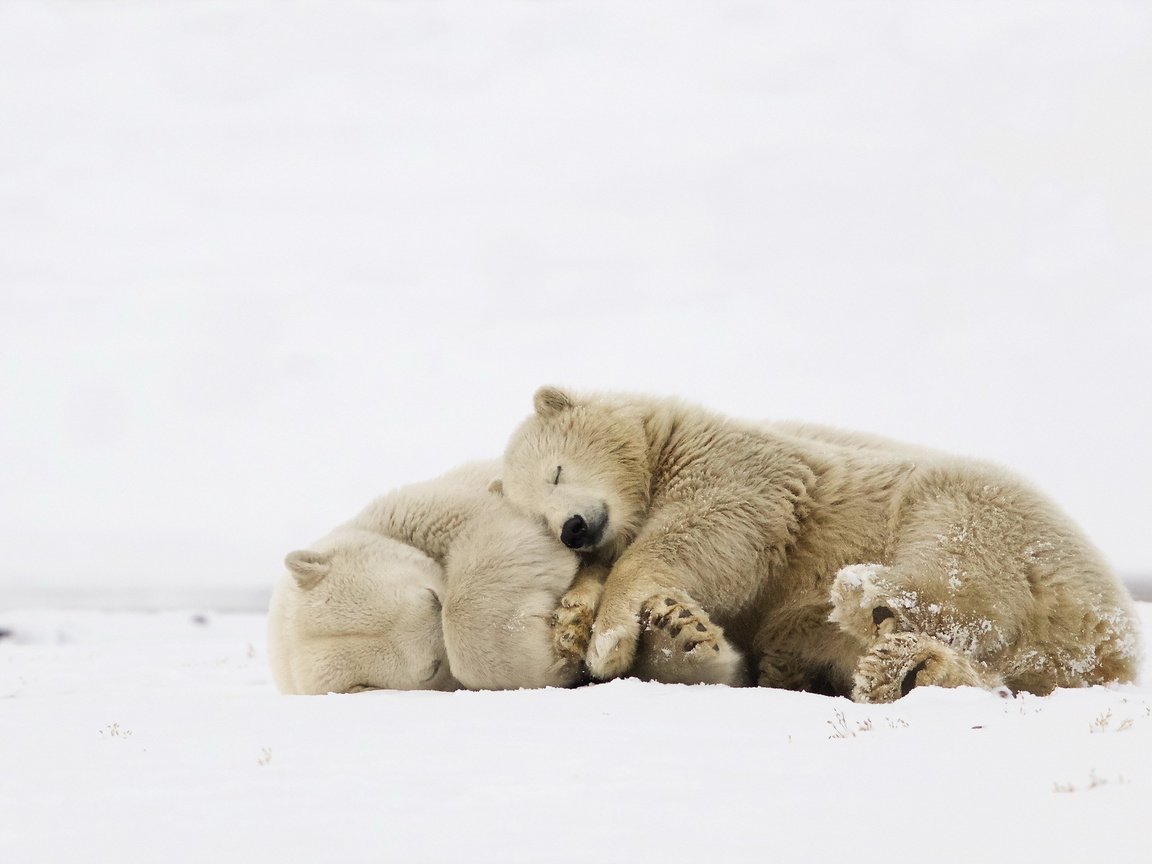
(134, 736)
(261, 262)
(856, 575)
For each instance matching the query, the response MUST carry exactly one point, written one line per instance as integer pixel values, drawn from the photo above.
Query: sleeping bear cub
(847, 562)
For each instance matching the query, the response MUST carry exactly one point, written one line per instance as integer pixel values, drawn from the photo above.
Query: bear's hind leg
(909, 640)
(899, 662)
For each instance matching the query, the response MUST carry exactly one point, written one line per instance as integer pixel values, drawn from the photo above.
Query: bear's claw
(571, 631)
(900, 662)
(680, 643)
(572, 620)
(681, 616)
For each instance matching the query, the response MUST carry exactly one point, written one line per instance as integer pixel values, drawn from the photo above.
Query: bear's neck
(659, 421)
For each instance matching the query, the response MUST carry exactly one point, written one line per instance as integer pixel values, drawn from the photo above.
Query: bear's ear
(308, 567)
(496, 487)
(551, 400)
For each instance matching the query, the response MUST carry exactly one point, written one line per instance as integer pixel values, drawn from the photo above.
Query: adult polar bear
(845, 561)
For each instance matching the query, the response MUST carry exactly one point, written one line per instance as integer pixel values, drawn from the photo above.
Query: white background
(261, 262)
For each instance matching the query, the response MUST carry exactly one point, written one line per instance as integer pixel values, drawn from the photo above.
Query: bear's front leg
(616, 630)
(705, 548)
(572, 621)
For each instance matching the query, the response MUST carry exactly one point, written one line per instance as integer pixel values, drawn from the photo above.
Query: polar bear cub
(434, 586)
(358, 611)
(846, 562)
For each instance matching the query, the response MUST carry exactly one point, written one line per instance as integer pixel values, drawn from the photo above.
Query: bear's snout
(580, 533)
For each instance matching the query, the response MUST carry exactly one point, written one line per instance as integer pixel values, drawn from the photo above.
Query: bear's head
(580, 464)
(358, 611)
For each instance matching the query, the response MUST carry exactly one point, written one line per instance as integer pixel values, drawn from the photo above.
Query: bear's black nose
(577, 533)
(574, 534)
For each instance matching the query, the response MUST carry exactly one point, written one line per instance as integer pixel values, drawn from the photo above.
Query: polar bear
(436, 586)
(358, 611)
(847, 563)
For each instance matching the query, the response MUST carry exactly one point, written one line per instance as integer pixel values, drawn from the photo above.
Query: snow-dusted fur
(844, 561)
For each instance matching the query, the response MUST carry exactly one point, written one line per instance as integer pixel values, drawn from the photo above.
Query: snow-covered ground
(159, 737)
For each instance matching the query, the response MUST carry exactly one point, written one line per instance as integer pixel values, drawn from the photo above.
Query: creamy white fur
(365, 616)
(505, 579)
(361, 608)
(977, 578)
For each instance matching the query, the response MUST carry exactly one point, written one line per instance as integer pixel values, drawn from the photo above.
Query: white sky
(261, 262)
